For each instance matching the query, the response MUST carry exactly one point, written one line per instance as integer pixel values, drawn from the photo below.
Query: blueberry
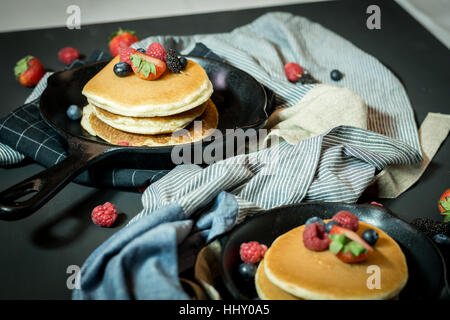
(370, 236)
(336, 75)
(247, 270)
(183, 62)
(314, 220)
(329, 225)
(441, 239)
(122, 69)
(74, 112)
(141, 50)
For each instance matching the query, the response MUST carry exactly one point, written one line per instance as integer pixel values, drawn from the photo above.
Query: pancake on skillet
(293, 270)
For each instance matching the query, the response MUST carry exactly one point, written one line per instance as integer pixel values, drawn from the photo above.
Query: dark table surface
(35, 252)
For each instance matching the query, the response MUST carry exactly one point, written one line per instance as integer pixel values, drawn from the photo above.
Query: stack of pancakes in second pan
(138, 112)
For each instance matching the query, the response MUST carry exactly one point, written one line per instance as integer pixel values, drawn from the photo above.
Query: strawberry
(146, 67)
(120, 40)
(348, 246)
(68, 54)
(124, 54)
(444, 205)
(156, 50)
(293, 71)
(29, 71)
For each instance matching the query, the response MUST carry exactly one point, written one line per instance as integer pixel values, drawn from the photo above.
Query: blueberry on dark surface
(142, 50)
(183, 62)
(314, 220)
(122, 69)
(336, 75)
(329, 225)
(247, 270)
(370, 236)
(441, 239)
(74, 112)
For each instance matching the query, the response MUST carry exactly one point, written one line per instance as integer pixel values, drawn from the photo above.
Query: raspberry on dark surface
(347, 220)
(252, 252)
(315, 237)
(104, 215)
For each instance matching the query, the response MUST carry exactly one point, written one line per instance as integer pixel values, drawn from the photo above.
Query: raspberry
(347, 220)
(124, 54)
(252, 252)
(315, 238)
(156, 50)
(68, 54)
(293, 71)
(104, 215)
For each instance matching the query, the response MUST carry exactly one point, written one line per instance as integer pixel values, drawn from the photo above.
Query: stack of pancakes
(289, 271)
(160, 112)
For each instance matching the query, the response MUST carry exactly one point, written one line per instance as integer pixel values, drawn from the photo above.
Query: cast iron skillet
(426, 267)
(240, 100)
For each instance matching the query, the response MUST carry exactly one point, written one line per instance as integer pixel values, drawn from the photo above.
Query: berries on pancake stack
(347, 220)
(146, 67)
(156, 50)
(174, 63)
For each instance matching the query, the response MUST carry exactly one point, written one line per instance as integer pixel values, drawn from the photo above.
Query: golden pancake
(171, 93)
(321, 275)
(267, 290)
(150, 125)
(193, 132)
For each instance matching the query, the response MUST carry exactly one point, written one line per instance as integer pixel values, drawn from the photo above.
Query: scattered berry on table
(124, 54)
(156, 50)
(315, 238)
(68, 54)
(247, 270)
(173, 61)
(444, 205)
(293, 71)
(104, 215)
(120, 40)
(329, 225)
(347, 220)
(29, 71)
(146, 67)
(122, 69)
(252, 251)
(74, 112)
(314, 220)
(370, 236)
(336, 75)
(441, 239)
(431, 227)
(376, 203)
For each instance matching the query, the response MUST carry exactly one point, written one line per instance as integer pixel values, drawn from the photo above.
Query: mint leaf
(147, 68)
(336, 246)
(136, 61)
(355, 248)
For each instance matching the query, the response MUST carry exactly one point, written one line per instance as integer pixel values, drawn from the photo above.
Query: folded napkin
(191, 205)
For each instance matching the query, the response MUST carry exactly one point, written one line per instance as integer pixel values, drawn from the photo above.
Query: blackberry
(173, 61)
(431, 227)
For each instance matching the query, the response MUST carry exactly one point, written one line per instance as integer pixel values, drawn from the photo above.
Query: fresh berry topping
(156, 50)
(293, 71)
(348, 246)
(125, 54)
(347, 220)
(123, 143)
(146, 67)
(350, 235)
(431, 227)
(173, 61)
(74, 112)
(441, 239)
(252, 251)
(444, 205)
(68, 54)
(329, 225)
(104, 215)
(370, 236)
(183, 62)
(336, 75)
(29, 71)
(376, 203)
(314, 220)
(122, 69)
(247, 270)
(315, 237)
(141, 50)
(120, 40)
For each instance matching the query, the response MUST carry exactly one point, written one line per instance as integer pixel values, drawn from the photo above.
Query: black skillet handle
(44, 185)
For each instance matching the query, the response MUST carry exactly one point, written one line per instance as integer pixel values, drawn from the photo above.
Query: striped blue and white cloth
(192, 205)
